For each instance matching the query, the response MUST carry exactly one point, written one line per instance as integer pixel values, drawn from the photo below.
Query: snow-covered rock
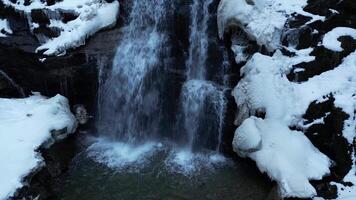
(331, 41)
(288, 157)
(265, 86)
(89, 16)
(4, 28)
(262, 20)
(247, 138)
(25, 125)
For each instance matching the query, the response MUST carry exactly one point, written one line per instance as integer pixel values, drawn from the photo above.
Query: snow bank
(266, 87)
(25, 125)
(330, 40)
(4, 28)
(93, 15)
(287, 156)
(262, 20)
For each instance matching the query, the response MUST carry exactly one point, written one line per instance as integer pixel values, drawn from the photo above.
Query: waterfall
(129, 107)
(202, 101)
(198, 40)
(138, 105)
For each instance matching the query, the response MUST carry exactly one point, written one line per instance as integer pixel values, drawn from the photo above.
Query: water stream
(132, 92)
(202, 101)
(129, 96)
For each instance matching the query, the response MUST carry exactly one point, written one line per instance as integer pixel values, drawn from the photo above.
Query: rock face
(42, 183)
(74, 75)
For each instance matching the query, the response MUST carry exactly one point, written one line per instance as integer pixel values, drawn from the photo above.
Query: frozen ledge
(92, 16)
(25, 125)
(262, 20)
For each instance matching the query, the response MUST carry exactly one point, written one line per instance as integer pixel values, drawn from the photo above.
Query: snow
(265, 87)
(240, 56)
(4, 28)
(94, 15)
(348, 193)
(292, 164)
(330, 40)
(25, 125)
(251, 15)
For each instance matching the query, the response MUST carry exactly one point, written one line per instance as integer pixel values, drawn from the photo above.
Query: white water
(202, 101)
(203, 104)
(122, 156)
(198, 40)
(125, 157)
(129, 97)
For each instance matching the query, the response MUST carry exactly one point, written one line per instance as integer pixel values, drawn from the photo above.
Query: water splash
(202, 106)
(122, 156)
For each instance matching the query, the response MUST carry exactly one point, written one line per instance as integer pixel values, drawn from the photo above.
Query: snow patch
(93, 15)
(330, 40)
(25, 125)
(251, 15)
(4, 28)
(348, 192)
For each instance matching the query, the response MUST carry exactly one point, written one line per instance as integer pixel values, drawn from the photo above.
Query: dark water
(90, 180)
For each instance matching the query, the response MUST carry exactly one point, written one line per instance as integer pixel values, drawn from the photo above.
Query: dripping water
(13, 83)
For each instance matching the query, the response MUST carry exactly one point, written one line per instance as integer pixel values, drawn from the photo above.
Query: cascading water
(134, 94)
(129, 104)
(202, 101)
(168, 62)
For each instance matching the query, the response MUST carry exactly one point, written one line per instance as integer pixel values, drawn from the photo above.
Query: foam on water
(186, 162)
(122, 156)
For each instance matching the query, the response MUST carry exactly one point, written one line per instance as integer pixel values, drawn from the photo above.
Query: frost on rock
(4, 28)
(25, 125)
(87, 18)
(262, 20)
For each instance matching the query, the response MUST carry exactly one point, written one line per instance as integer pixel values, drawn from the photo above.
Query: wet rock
(39, 16)
(42, 182)
(81, 114)
(328, 138)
